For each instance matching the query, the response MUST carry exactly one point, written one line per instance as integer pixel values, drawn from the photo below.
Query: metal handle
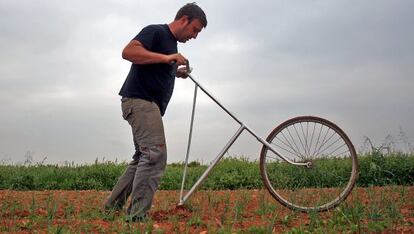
(187, 65)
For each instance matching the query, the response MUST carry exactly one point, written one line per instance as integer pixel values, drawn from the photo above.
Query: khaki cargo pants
(143, 174)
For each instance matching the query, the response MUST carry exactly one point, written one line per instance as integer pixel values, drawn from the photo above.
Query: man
(145, 96)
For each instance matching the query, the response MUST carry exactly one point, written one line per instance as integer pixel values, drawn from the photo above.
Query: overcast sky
(351, 62)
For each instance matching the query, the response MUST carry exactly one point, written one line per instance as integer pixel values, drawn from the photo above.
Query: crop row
(231, 173)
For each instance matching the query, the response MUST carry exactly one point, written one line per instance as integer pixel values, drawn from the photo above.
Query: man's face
(189, 30)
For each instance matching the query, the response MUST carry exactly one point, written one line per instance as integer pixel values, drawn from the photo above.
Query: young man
(145, 96)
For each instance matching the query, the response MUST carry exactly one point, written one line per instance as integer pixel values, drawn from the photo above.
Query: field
(230, 173)
(375, 209)
(68, 199)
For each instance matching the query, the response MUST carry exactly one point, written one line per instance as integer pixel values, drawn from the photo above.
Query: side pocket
(156, 153)
(133, 162)
(126, 113)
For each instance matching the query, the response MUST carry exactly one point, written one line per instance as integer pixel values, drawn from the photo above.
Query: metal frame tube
(212, 165)
(261, 140)
(226, 147)
(215, 100)
(189, 141)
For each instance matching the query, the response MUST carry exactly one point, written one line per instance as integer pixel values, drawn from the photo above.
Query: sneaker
(137, 219)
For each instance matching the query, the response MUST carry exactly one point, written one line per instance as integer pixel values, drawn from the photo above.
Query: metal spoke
(300, 140)
(317, 143)
(305, 137)
(326, 148)
(311, 139)
(339, 147)
(294, 141)
(325, 141)
(273, 157)
(288, 145)
(297, 152)
(342, 153)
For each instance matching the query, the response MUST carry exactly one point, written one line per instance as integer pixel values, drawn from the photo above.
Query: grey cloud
(266, 61)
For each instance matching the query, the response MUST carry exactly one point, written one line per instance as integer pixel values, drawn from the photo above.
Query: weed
(149, 226)
(265, 207)
(223, 215)
(238, 209)
(298, 230)
(315, 221)
(286, 220)
(69, 211)
(51, 207)
(377, 226)
(15, 208)
(352, 214)
(195, 221)
(174, 221)
(33, 207)
(58, 229)
(258, 230)
(4, 207)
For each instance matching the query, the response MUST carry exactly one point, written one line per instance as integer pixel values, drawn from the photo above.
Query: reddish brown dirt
(206, 212)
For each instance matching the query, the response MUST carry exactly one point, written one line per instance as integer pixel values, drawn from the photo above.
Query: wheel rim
(332, 169)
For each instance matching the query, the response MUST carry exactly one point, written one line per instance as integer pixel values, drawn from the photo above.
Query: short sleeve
(148, 37)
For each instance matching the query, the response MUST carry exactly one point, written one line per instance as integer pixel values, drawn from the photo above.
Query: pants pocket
(156, 153)
(126, 113)
(133, 162)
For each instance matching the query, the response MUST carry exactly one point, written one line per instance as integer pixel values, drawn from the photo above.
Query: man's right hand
(177, 58)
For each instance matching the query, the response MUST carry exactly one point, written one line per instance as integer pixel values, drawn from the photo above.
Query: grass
(230, 173)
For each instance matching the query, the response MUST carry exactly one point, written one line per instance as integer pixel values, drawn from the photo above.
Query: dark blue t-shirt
(153, 82)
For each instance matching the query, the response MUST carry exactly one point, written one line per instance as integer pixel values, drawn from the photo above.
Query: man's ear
(184, 20)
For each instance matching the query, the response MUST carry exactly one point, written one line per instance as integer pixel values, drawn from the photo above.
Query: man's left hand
(181, 72)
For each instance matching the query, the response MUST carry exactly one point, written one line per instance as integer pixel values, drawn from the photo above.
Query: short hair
(192, 11)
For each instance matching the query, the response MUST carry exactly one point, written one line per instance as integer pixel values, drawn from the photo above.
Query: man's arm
(136, 53)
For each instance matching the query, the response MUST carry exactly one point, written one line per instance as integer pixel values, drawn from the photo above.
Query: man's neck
(173, 26)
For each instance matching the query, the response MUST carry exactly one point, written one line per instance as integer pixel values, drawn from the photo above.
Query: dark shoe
(137, 219)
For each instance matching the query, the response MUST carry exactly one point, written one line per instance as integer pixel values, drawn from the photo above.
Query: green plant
(265, 207)
(195, 220)
(231, 173)
(51, 207)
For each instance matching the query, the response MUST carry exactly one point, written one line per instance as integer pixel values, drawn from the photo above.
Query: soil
(205, 212)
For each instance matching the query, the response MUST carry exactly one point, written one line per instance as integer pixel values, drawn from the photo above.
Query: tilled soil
(375, 209)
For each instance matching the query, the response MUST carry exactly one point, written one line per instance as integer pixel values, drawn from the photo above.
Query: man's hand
(182, 72)
(177, 58)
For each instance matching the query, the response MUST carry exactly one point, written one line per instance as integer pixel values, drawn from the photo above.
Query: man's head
(192, 11)
(188, 22)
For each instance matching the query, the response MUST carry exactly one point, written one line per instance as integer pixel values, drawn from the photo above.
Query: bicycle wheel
(332, 164)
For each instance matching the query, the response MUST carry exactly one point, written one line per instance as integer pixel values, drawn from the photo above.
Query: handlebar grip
(187, 65)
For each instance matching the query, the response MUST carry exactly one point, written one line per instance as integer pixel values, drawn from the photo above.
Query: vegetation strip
(231, 173)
